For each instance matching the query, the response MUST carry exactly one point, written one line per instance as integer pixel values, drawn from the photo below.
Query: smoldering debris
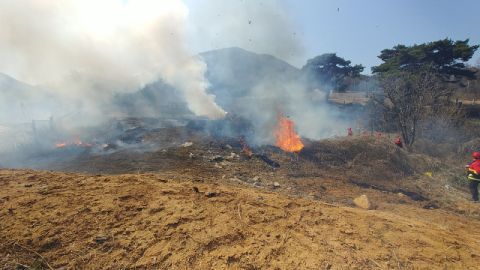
(228, 127)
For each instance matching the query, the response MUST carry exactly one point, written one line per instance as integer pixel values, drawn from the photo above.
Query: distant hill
(10, 87)
(235, 72)
(20, 102)
(232, 73)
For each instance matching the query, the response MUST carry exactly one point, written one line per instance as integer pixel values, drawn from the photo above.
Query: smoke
(80, 54)
(84, 52)
(262, 27)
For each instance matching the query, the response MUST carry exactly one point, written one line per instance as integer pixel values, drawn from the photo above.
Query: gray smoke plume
(83, 52)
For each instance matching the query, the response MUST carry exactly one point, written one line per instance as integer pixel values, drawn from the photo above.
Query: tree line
(413, 86)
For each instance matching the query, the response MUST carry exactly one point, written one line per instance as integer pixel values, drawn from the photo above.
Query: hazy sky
(297, 30)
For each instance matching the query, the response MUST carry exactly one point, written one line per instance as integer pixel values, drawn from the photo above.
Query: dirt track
(150, 221)
(238, 219)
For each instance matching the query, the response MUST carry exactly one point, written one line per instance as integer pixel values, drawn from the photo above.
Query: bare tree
(409, 96)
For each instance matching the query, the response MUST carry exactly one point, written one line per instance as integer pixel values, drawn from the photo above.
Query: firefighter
(350, 133)
(474, 176)
(332, 134)
(399, 142)
(364, 132)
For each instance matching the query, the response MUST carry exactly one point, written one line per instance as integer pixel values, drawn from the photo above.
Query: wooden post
(34, 131)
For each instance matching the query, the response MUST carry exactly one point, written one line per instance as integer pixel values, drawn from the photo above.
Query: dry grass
(349, 97)
(378, 162)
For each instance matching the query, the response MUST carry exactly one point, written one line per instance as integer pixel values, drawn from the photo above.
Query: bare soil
(201, 207)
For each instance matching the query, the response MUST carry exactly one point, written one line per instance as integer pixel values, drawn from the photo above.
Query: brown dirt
(133, 210)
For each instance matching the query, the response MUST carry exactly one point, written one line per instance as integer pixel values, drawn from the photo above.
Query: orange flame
(74, 141)
(245, 149)
(287, 138)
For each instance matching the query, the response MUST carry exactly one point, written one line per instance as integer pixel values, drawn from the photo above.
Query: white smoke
(256, 26)
(84, 52)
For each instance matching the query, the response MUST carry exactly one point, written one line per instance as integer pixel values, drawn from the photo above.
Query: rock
(401, 195)
(276, 185)
(217, 158)
(101, 238)
(218, 166)
(210, 193)
(191, 155)
(364, 202)
(228, 146)
(108, 145)
(187, 144)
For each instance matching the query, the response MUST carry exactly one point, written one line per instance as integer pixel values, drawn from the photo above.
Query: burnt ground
(166, 204)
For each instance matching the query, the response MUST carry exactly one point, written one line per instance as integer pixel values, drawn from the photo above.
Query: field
(210, 204)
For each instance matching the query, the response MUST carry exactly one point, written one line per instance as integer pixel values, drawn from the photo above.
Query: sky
(83, 53)
(296, 31)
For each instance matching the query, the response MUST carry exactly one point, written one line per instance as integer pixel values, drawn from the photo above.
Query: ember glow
(245, 149)
(74, 141)
(286, 135)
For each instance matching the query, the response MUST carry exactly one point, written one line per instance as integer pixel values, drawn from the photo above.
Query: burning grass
(286, 135)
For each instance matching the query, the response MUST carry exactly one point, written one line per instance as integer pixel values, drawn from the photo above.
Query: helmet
(349, 128)
(379, 133)
(399, 138)
(476, 155)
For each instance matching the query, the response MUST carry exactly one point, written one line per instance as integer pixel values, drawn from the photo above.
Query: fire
(74, 141)
(245, 149)
(287, 138)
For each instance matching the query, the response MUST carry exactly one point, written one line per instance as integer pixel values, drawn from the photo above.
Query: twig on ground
(23, 265)
(78, 255)
(35, 253)
(446, 255)
(240, 215)
(398, 262)
(375, 263)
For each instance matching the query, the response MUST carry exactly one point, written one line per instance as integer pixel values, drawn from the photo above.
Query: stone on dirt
(364, 202)
(187, 144)
(217, 158)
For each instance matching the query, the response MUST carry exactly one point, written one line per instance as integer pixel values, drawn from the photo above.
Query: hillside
(199, 206)
(19, 101)
(236, 73)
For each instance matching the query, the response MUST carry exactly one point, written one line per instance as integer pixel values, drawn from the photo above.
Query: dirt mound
(53, 220)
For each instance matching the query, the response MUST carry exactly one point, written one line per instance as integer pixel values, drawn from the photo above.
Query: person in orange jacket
(399, 142)
(350, 133)
(474, 176)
